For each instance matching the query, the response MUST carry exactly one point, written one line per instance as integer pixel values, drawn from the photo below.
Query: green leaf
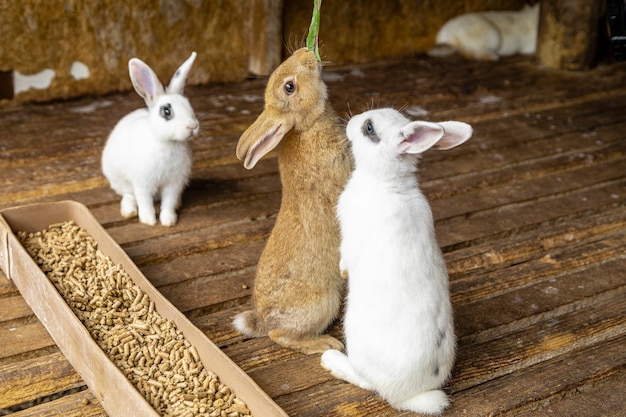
(312, 40)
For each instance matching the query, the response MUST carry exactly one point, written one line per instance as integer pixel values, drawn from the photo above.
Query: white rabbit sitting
(489, 35)
(148, 155)
(398, 324)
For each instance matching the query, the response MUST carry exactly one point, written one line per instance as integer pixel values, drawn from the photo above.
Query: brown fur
(298, 287)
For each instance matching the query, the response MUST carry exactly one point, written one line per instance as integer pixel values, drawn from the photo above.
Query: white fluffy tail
(249, 324)
(429, 402)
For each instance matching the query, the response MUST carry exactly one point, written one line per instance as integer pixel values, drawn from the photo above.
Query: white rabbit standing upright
(398, 324)
(148, 154)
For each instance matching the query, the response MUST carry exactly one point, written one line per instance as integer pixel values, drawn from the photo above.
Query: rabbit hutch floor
(530, 213)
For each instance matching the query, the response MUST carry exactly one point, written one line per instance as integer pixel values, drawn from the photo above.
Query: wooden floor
(530, 213)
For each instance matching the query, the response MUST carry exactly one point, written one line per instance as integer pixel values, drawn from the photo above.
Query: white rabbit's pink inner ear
(455, 134)
(419, 137)
(145, 81)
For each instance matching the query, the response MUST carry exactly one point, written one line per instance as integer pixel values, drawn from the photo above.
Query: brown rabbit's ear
(259, 139)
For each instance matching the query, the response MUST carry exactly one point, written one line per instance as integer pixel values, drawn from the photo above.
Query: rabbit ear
(455, 133)
(145, 81)
(260, 138)
(179, 79)
(419, 136)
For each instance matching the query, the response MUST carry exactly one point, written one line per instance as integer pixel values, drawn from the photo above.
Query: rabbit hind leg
(340, 367)
(428, 402)
(305, 344)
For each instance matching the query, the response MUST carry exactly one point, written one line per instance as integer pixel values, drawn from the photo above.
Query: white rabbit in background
(398, 323)
(489, 35)
(148, 155)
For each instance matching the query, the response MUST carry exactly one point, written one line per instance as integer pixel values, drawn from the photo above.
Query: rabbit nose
(192, 125)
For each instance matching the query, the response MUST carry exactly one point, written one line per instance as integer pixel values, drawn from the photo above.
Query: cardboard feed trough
(117, 394)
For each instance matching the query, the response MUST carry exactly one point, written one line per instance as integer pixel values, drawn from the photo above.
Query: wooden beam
(568, 33)
(265, 36)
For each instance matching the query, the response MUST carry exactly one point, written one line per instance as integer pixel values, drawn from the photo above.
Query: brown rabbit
(298, 288)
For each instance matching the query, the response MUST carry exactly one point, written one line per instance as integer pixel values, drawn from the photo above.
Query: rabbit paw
(128, 206)
(147, 216)
(340, 367)
(168, 218)
(149, 220)
(306, 345)
(429, 402)
(333, 359)
(146, 210)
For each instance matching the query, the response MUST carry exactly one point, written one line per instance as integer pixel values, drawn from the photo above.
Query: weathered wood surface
(568, 33)
(530, 213)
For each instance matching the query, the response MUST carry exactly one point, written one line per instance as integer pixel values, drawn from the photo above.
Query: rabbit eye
(290, 87)
(368, 130)
(166, 111)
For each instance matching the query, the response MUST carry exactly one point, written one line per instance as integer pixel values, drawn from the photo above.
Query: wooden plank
(559, 293)
(204, 240)
(526, 243)
(211, 222)
(30, 379)
(217, 325)
(476, 271)
(532, 213)
(211, 293)
(24, 338)
(471, 171)
(216, 262)
(472, 90)
(550, 185)
(536, 343)
(337, 399)
(51, 191)
(81, 404)
(509, 139)
(545, 384)
(601, 398)
(12, 308)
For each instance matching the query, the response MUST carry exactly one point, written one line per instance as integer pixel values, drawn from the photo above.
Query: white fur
(398, 323)
(148, 157)
(489, 35)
